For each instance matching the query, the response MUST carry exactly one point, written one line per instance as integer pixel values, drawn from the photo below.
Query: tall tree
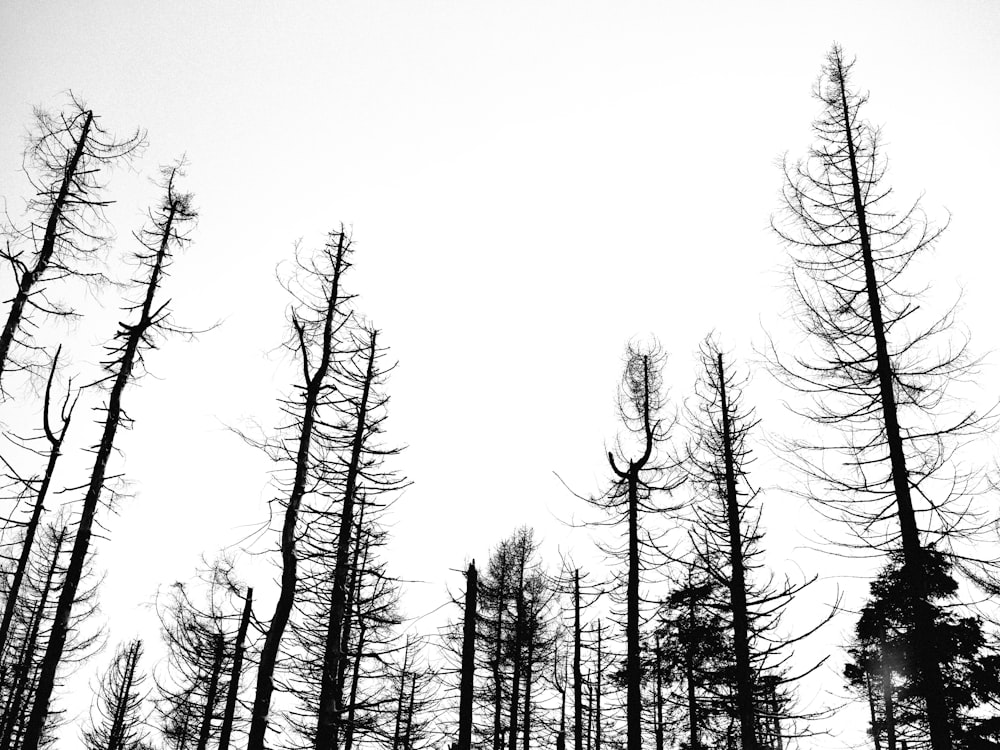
(875, 369)
(316, 320)
(641, 401)
(164, 235)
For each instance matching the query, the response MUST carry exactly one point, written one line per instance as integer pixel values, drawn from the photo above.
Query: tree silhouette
(66, 159)
(875, 372)
(159, 241)
(119, 723)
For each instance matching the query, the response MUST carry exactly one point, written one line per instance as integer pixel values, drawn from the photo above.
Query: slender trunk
(330, 698)
(289, 562)
(526, 722)
(358, 655)
(737, 584)
(577, 672)
(408, 737)
(235, 673)
(561, 736)
(515, 688)
(44, 257)
(658, 723)
(355, 678)
(399, 711)
(925, 646)
(81, 544)
(497, 686)
(468, 660)
(689, 675)
(345, 640)
(19, 692)
(116, 738)
(869, 688)
(600, 672)
(218, 651)
(633, 669)
(590, 713)
(889, 703)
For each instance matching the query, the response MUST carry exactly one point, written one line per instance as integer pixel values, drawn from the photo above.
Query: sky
(529, 185)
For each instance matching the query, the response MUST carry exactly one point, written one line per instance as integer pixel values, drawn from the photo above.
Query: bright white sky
(529, 185)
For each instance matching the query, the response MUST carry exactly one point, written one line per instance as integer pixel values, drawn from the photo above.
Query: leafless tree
(162, 237)
(66, 161)
(119, 723)
(876, 367)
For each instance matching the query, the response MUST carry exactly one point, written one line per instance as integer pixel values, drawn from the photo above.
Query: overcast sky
(529, 185)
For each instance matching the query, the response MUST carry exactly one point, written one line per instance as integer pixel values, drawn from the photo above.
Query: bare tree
(316, 321)
(876, 372)
(119, 723)
(641, 402)
(159, 240)
(66, 160)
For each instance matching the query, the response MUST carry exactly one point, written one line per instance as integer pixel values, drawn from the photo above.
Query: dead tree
(159, 241)
(876, 367)
(727, 544)
(236, 672)
(66, 161)
(54, 438)
(18, 691)
(365, 415)
(119, 723)
(316, 320)
(468, 660)
(636, 479)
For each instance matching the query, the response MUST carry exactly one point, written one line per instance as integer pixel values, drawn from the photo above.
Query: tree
(120, 721)
(203, 630)
(316, 320)
(159, 241)
(729, 550)
(54, 438)
(640, 402)
(874, 370)
(467, 675)
(884, 655)
(66, 159)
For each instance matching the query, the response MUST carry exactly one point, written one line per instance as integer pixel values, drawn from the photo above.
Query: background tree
(119, 723)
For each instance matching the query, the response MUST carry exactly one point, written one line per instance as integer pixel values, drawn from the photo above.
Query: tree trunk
(577, 671)
(116, 740)
(289, 563)
(515, 688)
(737, 584)
(468, 660)
(81, 544)
(600, 674)
(235, 673)
(925, 647)
(353, 591)
(218, 652)
(633, 669)
(330, 699)
(659, 696)
(528, 664)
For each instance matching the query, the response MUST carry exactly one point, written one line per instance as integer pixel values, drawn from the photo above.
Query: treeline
(678, 639)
